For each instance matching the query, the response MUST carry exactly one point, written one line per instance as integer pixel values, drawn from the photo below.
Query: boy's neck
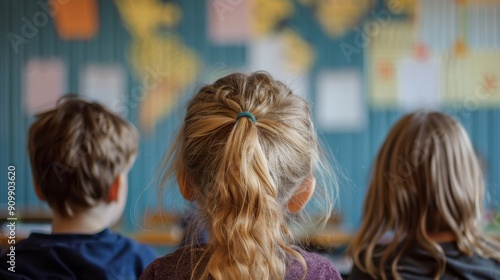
(91, 221)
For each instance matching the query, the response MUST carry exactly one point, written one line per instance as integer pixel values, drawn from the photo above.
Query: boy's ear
(38, 191)
(302, 195)
(114, 190)
(184, 187)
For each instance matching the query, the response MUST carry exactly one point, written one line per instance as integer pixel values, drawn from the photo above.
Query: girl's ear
(302, 195)
(184, 187)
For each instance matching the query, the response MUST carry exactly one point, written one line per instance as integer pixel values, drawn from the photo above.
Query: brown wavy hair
(76, 152)
(426, 179)
(243, 174)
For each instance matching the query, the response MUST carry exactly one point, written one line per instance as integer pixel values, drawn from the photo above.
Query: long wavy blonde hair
(242, 174)
(426, 180)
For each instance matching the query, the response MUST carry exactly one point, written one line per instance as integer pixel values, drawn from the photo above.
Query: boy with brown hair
(80, 155)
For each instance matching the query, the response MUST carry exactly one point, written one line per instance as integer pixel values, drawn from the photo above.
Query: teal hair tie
(246, 114)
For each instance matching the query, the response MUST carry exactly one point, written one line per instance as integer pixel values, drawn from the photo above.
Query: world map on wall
(165, 66)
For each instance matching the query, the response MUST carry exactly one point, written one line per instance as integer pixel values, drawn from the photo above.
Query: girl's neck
(443, 236)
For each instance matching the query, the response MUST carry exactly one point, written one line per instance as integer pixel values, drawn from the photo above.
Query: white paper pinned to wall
(339, 102)
(268, 54)
(104, 84)
(44, 84)
(419, 84)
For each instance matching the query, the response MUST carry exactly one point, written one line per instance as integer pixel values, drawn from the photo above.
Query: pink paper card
(228, 21)
(44, 84)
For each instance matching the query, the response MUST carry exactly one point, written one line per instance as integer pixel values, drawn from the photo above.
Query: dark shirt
(104, 255)
(418, 263)
(178, 266)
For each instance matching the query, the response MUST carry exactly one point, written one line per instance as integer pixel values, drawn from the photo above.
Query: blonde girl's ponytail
(246, 235)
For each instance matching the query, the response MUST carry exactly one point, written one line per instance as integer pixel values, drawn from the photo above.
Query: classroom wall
(352, 150)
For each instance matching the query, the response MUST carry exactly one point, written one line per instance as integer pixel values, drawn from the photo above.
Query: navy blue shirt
(104, 255)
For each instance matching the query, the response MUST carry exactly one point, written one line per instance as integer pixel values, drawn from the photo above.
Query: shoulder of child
(319, 267)
(175, 266)
(144, 252)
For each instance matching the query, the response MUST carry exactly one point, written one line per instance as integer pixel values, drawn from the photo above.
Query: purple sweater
(179, 265)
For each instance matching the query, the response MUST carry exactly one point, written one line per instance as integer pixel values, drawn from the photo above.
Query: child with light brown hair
(80, 155)
(423, 209)
(247, 156)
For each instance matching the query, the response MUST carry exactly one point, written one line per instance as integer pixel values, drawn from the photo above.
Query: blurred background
(361, 64)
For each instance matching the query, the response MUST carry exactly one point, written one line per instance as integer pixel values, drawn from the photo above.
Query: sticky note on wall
(472, 81)
(228, 21)
(419, 83)
(75, 19)
(269, 54)
(339, 103)
(44, 84)
(104, 84)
